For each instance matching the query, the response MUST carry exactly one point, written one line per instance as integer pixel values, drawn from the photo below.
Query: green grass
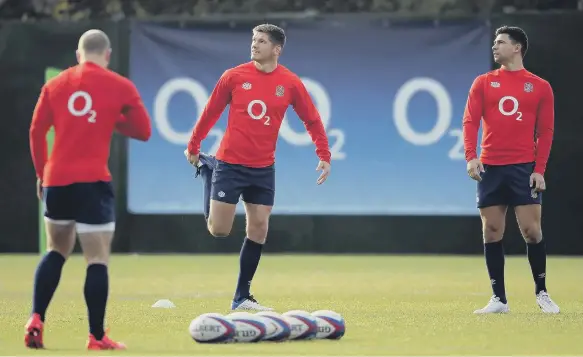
(393, 305)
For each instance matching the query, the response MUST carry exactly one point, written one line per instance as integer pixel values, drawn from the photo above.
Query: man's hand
(475, 169)
(39, 189)
(192, 158)
(537, 181)
(325, 168)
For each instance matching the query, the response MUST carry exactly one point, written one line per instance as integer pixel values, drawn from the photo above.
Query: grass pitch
(393, 305)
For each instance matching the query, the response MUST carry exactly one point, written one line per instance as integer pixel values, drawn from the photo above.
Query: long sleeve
(42, 120)
(220, 97)
(308, 114)
(135, 121)
(545, 124)
(472, 118)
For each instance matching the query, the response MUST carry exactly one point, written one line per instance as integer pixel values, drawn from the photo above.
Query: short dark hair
(275, 33)
(516, 34)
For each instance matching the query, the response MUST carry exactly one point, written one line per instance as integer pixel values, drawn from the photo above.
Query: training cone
(164, 304)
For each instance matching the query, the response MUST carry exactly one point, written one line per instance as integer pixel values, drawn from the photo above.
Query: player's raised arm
(220, 97)
(472, 117)
(135, 121)
(308, 114)
(545, 124)
(42, 119)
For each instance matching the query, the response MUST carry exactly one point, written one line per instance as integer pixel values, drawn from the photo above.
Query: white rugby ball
(303, 325)
(211, 328)
(248, 327)
(277, 328)
(330, 324)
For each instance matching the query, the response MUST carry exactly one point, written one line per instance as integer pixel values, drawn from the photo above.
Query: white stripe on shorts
(58, 222)
(95, 228)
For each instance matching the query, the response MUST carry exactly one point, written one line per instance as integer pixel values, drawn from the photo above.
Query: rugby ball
(303, 325)
(248, 327)
(212, 328)
(277, 328)
(330, 324)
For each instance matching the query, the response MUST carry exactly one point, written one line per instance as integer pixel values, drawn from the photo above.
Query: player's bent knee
(218, 232)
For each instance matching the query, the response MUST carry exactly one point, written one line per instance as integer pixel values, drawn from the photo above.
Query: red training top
(517, 108)
(85, 104)
(258, 102)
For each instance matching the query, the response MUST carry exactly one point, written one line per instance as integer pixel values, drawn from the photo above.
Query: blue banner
(391, 99)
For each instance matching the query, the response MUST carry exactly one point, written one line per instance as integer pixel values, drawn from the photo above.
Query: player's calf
(493, 225)
(529, 221)
(257, 227)
(60, 244)
(96, 245)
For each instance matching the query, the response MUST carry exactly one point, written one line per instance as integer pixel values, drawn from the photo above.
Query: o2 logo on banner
(443, 121)
(200, 96)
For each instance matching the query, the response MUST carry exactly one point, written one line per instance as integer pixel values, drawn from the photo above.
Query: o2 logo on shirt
(263, 111)
(87, 108)
(514, 109)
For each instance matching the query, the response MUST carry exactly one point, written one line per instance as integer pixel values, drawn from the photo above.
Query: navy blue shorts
(87, 203)
(507, 185)
(254, 185)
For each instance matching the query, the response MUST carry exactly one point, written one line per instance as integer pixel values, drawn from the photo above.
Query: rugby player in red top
(85, 104)
(259, 92)
(517, 111)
